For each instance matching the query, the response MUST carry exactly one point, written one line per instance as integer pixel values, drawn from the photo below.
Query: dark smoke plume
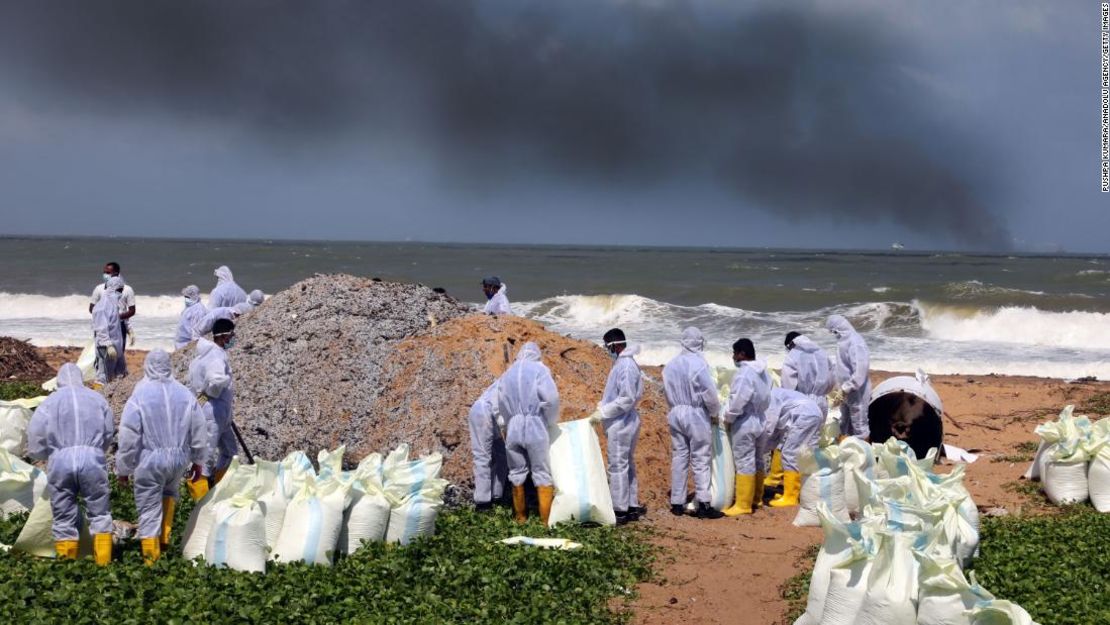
(796, 113)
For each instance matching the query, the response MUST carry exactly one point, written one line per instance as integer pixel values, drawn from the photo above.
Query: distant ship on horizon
(897, 246)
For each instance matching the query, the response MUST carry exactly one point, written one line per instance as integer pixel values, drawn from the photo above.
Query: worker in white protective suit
(793, 421)
(72, 429)
(162, 432)
(692, 396)
(210, 378)
(806, 369)
(496, 295)
(618, 416)
(190, 317)
(107, 332)
(231, 313)
(126, 312)
(749, 396)
(529, 402)
(491, 469)
(226, 293)
(853, 368)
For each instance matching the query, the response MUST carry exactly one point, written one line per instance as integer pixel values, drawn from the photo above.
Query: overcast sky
(942, 124)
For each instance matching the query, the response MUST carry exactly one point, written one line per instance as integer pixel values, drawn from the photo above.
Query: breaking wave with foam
(940, 338)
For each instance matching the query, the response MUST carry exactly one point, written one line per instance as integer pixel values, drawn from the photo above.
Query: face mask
(489, 295)
(230, 343)
(613, 356)
(738, 363)
(106, 277)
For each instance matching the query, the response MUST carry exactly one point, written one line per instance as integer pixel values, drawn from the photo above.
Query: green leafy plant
(1054, 566)
(19, 390)
(460, 575)
(796, 589)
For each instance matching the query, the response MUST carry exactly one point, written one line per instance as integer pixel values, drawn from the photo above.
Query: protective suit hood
(69, 374)
(759, 365)
(630, 351)
(204, 346)
(255, 298)
(223, 274)
(805, 344)
(157, 365)
(191, 293)
(114, 283)
(242, 308)
(692, 340)
(530, 351)
(839, 326)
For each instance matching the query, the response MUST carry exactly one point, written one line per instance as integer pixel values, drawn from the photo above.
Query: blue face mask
(106, 277)
(738, 363)
(230, 343)
(613, 355)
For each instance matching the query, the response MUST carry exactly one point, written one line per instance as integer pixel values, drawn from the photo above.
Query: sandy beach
(704, 564)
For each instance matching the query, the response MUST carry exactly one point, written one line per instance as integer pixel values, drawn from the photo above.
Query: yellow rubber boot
(545, 494)
(520, 513)
(791, 488)
(169, 506)
(774, 479)
(197, 489)
(102, 549)
(66, 549)
(151, 551)
(757, 494)
(745, 487)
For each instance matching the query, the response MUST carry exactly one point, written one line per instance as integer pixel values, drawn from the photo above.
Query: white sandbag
(827, 487)
(238, 537)
(579, 475)
(14, 418)
(21, 484)
(366, 519)
(313, 519)
(416, 515)
(1036, 466)
(944, 594)
(86, 362)
(856, 455)
(847, 589)
(999, 612)
(285, 478)
(37, 537)
(1098, 480)
(722, 480)
(237, 479)
(1066, 482)
(891, 582)
(963, 539)
(401, 475)
(839, 538)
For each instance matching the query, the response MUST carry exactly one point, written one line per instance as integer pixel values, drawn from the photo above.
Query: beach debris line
(21, 362)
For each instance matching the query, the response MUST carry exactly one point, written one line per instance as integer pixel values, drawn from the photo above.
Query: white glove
(112, 353)
(131, 338)
(595, 416)
(846, 388)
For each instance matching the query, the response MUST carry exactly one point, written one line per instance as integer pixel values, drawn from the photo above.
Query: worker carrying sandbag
(529, 401)
(162, 431)
(749, 397)
(72, 429)
(794, 421)
(618, 415)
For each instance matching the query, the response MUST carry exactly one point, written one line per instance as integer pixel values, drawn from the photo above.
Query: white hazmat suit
(806, 370)
(529, 402)
(749, 396)
(499, 303)
(190, 317)
(852, 368)
(226, 293)
(491, 469)
(162, 432)
(621, 421)
(210, 375)
(108, 333)
(72, 429)
(794, 421)
(692, 395)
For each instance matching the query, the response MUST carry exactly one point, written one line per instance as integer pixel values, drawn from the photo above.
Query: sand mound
(21, 362)
(338, 360)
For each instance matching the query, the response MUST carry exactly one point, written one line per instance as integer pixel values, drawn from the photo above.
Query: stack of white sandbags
(1073, 460)
(14, 417)
(823, 478)
(288, 512)
(902, 562)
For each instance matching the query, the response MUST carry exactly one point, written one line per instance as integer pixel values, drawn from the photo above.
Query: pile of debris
(21, 362)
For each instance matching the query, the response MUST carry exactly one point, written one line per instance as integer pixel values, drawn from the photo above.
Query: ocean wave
(1021, 325)
(76, 307)
(972, 289)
